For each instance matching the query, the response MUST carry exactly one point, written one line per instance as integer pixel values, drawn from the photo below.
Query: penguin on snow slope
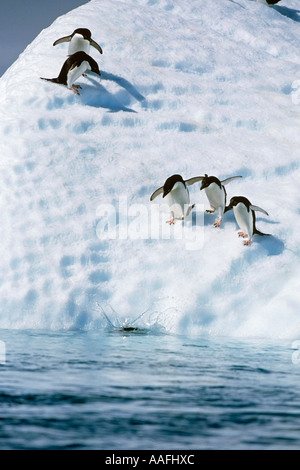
(177, 193)
(216, 194)
(80, 40)
(268, 2)
(75, 65)
(244, 213)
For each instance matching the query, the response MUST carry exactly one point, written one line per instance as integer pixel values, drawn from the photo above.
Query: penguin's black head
(81, 56)
(205, 183)
(234, 201)
(207, 180)
(85, 33)
(95, 67)
(170, 182)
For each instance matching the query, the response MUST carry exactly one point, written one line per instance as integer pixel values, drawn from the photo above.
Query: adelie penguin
(73, 68)
(178, 197)
(268, 2)
(80, 40)
(216, 194)
(244, 213)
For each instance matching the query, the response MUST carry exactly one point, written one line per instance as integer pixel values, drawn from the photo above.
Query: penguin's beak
(204, 183)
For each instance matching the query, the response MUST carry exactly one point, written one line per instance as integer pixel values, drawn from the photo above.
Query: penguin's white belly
(77, 72)
(77, 44)
(178, 200)
(215, 195)
(244, 219)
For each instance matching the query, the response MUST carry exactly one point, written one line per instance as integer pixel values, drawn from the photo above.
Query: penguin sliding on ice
(216, 194)
(80, 40)
(177, 193)
(244, 213)
(75, 65)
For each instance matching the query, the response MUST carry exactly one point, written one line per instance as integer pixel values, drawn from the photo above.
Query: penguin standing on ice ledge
(75, 65)
(175, 188)
(244, 213)
(80, 40)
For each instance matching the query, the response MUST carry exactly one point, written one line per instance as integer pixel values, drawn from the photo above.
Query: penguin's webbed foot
(218, 223)
(247, 242)
(242, 234)
(75, 89)
(171, 221)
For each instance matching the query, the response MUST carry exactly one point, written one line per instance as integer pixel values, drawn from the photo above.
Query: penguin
(80, 40)
(268, 2)
(75, 65)
(216, 194)
(175, 189)
(244, 213)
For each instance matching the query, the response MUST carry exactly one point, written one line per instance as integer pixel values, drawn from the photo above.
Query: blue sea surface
(146, 390)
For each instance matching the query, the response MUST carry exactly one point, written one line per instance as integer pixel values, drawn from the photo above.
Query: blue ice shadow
(124, 84)
(273, 245)
(96, 94)
(289, 12)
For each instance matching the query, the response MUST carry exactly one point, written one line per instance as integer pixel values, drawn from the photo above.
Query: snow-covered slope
(187, 87)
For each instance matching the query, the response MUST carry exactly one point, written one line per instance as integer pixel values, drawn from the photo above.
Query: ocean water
(146, 390)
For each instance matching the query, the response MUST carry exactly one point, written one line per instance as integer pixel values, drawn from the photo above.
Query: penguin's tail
(54, 80)
(257, 232)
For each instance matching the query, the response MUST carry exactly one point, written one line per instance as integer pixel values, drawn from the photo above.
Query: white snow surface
(188, 87)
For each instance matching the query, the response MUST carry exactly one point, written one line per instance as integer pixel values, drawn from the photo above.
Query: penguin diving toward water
(244, 213)
(80, 40)
(75, 65)
(178, 197)
(216, 194)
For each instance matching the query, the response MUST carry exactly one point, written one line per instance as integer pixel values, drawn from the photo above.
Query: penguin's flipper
(258, 209)
(228, 180)
(194, 180)
(96, 46)
(156, 193)
(64, 39)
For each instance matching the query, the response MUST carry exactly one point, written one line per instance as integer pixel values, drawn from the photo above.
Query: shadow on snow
(289, 12)
(98, 96)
